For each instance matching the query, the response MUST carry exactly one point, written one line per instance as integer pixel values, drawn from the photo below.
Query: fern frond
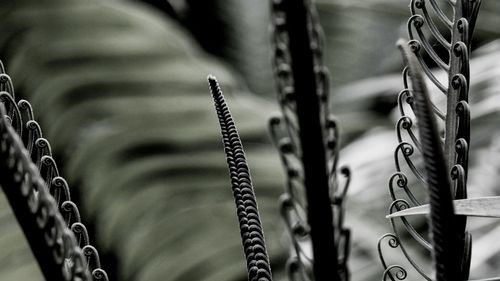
(252, 234)
(453, 142)
(40, 197)
(445, 235)
(307, 138)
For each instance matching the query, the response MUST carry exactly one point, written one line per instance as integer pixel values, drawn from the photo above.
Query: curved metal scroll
(40, 197)
(307, 138)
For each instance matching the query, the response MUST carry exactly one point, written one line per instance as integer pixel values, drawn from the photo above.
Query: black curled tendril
(400, 180)
(444, 233)
(393, 242)
(294, 270)
(425, 27)
(306, 130)
(38, 195)
(394, 272)
(399, 205)
(99, 274)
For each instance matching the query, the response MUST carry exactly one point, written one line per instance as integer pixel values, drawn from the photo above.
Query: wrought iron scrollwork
(307, 138)
(452, 123)
(40, 197)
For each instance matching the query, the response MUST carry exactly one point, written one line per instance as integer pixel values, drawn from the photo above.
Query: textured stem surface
(445, 237)
(246, 204)
(319, 210)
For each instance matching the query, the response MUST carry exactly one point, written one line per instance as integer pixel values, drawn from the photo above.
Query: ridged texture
(436, 41)
(52, 242)
(65, 53)
(120, 91)
(33, 154)
(445, 235)
(246, 204)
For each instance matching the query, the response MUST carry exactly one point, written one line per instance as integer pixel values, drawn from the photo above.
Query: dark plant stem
(36, 211)
(320, 213)
(445, 235)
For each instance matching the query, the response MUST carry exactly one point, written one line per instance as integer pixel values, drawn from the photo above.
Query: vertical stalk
(319, 210)
(452, 94)
(252, 234)
(445, 237)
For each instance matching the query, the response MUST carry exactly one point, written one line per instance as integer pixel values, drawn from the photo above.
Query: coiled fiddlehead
(252, 234)
(308, 141)
(428, 18)
(40, 197)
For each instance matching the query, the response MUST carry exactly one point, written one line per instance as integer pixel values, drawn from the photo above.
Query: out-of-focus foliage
(17, 261)
(360, 44)
(120, 91)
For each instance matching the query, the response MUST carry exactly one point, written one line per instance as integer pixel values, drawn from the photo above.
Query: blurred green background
(119, 89)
